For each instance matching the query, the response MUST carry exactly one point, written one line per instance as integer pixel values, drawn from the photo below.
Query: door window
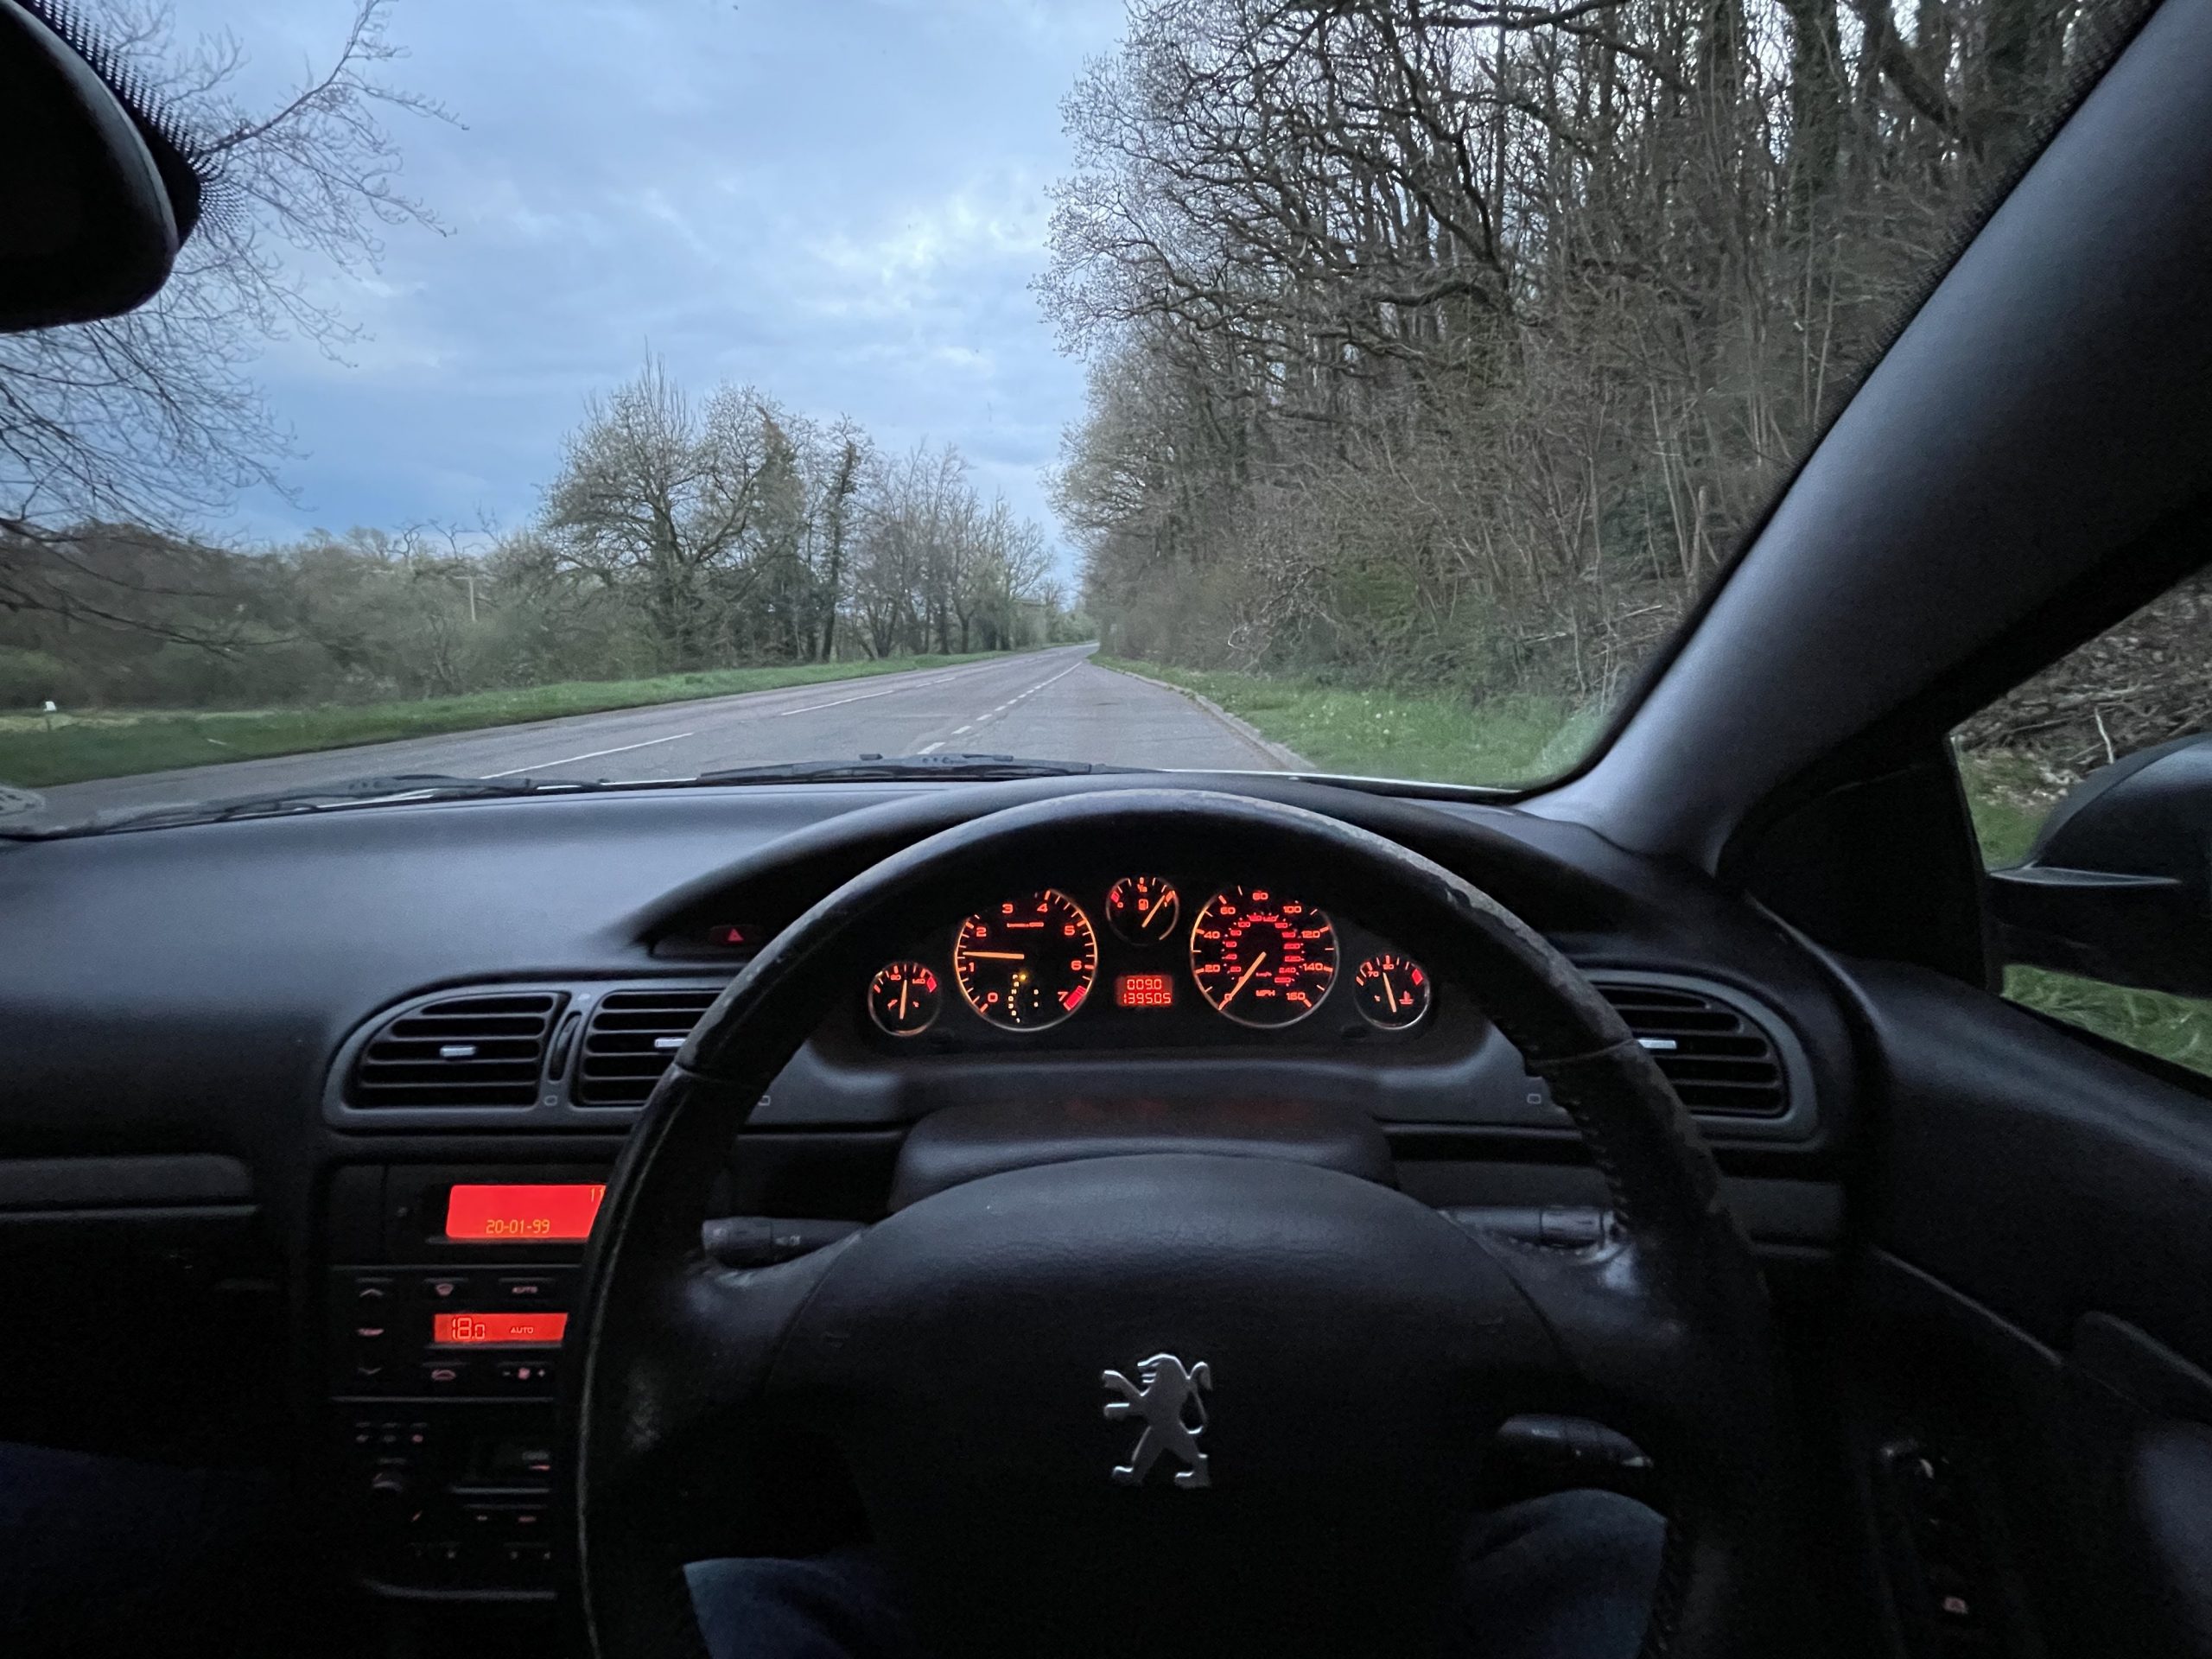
(2091, 790)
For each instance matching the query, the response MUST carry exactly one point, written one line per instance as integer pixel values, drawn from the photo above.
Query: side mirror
(95, 199)
(2119, 884)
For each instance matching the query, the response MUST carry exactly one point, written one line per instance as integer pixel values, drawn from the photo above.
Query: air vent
(460, 1051)
(1717, 1059)
(631, 1038)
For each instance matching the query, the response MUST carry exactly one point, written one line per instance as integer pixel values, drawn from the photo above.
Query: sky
(839, 201)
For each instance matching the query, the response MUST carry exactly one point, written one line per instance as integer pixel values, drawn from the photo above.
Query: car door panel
(2032, 1304)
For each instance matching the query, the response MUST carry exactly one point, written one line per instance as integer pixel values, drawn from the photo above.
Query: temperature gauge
(1393, 992)
(1143, 909)
(903, 998)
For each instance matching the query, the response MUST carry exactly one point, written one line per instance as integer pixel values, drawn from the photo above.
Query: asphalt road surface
(1049, 705)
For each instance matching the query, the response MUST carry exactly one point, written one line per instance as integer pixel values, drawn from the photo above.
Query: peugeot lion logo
(1169, 1388)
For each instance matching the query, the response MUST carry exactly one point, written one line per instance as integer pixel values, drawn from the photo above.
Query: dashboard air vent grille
(460, 1051)
(1719, 1060)
(631, 1038)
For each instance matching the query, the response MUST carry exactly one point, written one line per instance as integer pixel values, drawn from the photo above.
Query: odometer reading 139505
(1027, 962)
(1262, 958)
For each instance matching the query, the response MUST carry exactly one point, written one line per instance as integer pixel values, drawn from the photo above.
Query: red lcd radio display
(505, 1213)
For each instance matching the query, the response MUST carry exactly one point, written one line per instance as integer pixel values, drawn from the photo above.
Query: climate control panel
(447, 1303)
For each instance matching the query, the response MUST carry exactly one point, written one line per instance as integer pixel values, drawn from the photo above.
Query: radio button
(436, 1555)
(524, 1375)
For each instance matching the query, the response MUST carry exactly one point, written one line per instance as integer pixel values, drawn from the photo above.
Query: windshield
(625, 394)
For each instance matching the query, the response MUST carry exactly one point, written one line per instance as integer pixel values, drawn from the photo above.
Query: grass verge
(1524, 740)
(1443, 740)
(116, 744)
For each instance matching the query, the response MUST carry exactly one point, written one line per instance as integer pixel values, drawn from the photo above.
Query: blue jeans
(1570, 1576)
(105, 1554)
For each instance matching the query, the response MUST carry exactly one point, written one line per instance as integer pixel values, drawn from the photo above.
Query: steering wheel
(937, 1376)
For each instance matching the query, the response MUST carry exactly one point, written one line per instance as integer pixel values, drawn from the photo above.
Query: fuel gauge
(1142, 909)
(1393, 992)
(903, 998)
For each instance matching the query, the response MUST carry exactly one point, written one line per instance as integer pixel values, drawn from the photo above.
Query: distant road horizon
(1049, 705)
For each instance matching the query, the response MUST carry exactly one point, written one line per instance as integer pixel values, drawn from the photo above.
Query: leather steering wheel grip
(1668, 1322)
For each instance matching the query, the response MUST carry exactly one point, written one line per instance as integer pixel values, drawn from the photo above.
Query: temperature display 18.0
(496, 1330)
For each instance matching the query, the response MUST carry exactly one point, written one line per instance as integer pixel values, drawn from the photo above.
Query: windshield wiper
(875, 768)
(394, 790)
(415, 787)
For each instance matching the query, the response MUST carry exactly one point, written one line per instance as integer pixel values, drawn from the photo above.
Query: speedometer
(1029, 963)
(1262, 958)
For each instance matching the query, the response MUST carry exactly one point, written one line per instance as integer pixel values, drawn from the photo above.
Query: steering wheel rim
(1663, 1329)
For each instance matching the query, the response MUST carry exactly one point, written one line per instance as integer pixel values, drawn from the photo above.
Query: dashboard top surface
(198, 981)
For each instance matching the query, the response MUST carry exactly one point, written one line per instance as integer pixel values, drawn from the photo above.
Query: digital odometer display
(511, 1330)
(1144, 991)
(1262, 958)
(498, 1213)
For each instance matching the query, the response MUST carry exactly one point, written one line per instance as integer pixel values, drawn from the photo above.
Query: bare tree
(153, 419)
(662, 498)
(1458, 340)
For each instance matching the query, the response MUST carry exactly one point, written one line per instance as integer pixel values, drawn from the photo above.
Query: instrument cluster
(1256, 956)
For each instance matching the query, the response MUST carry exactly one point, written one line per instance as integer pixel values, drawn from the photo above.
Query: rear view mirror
(95, 199)
(2119, 884)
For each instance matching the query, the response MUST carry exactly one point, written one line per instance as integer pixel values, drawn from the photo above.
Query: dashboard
(1139, 964)
(385, 1061)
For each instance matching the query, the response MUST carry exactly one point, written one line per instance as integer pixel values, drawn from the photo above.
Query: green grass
(1446, 740)
(2010, 797)
(1524, 740)
(2176, 1028)
(115, 744)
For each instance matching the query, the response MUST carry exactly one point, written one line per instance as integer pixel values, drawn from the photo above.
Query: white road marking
(1056, 678)
(963, 731)
(931, 749)
(863, 697)
(538, 766)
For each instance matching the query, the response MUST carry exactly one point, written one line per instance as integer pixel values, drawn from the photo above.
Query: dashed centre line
(985, 720)
(569, 761)
(864, 696)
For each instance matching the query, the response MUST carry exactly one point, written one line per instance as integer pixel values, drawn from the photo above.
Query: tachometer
(1027, 962)
(1261, 958)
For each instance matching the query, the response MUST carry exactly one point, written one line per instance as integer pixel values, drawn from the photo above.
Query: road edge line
(1287, 758)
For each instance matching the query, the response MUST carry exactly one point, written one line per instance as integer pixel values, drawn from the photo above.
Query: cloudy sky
(841, 202)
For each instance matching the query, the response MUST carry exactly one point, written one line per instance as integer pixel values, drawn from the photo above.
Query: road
(1051, 705)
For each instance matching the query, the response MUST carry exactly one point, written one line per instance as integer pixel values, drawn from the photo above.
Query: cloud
(839, 201)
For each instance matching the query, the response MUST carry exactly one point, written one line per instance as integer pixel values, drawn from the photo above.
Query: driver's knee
(840, 1605)
(1569, 1576)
